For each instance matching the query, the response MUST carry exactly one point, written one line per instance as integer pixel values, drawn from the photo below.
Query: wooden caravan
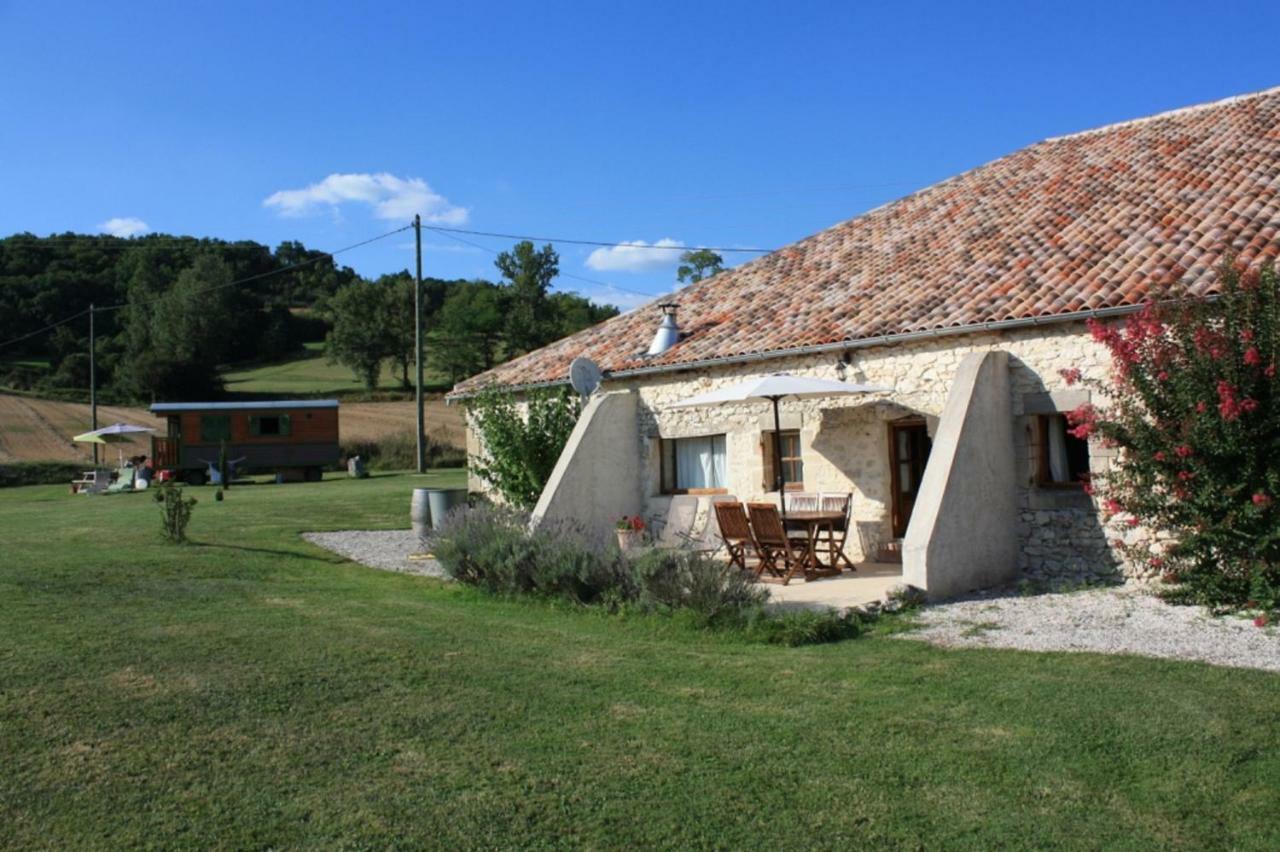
(298, 438)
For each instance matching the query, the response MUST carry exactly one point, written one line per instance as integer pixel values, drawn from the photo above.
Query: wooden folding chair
(773, 545)
(735, 531)
(837, 533)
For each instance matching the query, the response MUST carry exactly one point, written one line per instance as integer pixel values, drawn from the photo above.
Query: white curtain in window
(700, 462)
(1058, 469)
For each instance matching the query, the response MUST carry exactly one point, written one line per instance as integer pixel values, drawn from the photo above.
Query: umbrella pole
(780, 474)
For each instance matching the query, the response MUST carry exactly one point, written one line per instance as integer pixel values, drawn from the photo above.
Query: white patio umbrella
(116, 433)
(773, 389)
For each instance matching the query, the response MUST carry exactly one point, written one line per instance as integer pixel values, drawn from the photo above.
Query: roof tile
(1093, 220)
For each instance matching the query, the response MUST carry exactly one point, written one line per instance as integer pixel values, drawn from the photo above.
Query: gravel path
(1120, 620)
(385, 549)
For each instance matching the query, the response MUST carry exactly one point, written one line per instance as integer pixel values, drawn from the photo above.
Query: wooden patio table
(813, 522)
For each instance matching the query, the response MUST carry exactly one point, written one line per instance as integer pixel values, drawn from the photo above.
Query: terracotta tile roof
(1089, 221)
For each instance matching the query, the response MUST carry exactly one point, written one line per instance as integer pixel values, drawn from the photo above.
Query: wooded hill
(174, 312)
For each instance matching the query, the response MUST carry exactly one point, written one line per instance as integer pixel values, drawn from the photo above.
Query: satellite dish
(584, 375)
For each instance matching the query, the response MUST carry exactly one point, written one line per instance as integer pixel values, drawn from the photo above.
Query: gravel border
(1117, 620)
(387, 550)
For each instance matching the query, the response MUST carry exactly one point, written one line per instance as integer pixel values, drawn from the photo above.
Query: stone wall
(845, 440)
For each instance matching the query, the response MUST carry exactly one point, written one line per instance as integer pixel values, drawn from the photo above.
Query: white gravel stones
(385, 549)
(1117, 620)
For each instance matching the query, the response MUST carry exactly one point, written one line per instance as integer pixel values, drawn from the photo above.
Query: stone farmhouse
(966, 299)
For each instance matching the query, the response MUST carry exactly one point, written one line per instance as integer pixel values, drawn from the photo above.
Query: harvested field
(367, 421)
(41, 429)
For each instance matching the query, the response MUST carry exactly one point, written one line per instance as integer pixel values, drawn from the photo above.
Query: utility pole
(417, 343)
(93, 383)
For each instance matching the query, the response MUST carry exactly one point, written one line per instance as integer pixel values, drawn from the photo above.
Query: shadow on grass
(334, 560)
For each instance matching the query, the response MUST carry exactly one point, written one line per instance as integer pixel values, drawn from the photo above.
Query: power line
(291, 267)
(451, 235)
(50, 327)
(443, 230)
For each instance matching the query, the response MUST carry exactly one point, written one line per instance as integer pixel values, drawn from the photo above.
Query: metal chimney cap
(668, 333)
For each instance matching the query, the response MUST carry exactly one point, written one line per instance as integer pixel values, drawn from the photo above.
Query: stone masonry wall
(845, 440)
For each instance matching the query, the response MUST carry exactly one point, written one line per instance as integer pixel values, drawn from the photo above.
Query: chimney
(668, 334)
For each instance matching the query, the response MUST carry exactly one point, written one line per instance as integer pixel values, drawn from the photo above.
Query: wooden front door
(909, 446)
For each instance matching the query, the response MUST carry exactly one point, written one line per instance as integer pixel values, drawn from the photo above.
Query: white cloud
(635, 256)
(390, 197)
(124, 226)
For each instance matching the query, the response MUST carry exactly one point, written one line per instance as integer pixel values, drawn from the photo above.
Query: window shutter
(768, 462)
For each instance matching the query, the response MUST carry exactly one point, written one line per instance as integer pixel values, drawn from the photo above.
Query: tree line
(470, 325)
(175, 316)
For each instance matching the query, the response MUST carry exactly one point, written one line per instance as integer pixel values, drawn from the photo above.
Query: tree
(529, 273)
(573, 313)
(178, 340)
(465, 333)
(699, 264)
(520, 452)
(359, 336)
(1195, 415)
(398, 312)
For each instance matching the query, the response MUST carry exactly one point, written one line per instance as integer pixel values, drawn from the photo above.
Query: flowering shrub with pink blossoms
(1195, 413)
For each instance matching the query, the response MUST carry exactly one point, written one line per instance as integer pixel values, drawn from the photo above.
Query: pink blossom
(1070, 375)
(1202, 407)
(1246, 335)
(1159, 455)
(1228, 406)
(1084, 419)
(1112, 507)
(1186, 475)
(1261, 499)
(1248, 405)
(1270, 372)
(1260, 621)
(1183, 451)
(1133, 522)
(1252, 356)
(1162, 376)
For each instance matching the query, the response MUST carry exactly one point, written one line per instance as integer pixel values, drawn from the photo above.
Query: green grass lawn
(311, 375)
(250, 690)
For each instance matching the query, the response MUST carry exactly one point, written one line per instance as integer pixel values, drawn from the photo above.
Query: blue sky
(733, 124)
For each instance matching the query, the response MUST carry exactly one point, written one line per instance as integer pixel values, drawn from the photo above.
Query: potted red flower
(630, 530)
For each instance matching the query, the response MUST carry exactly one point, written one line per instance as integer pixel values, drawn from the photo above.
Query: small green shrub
(400, 452)
(492, 547)
(808, 627)
(175, 512)
(716, 591)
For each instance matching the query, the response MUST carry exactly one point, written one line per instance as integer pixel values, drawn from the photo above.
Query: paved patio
(868, 584)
